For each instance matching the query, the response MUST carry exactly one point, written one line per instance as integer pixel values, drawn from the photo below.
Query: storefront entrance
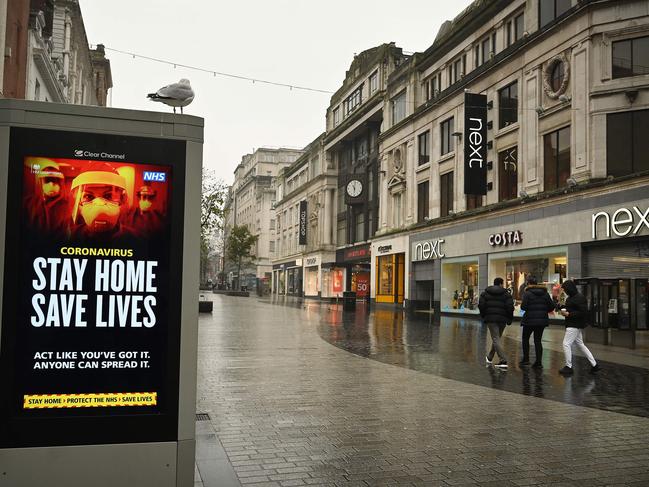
(390, 278)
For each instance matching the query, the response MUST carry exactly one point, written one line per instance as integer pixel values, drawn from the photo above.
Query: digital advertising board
(91, 293)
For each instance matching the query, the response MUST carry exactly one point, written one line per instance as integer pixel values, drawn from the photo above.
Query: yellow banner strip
(98, 400)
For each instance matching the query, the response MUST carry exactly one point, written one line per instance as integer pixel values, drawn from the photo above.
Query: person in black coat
(496, 307)
(576, 314)
(536, 304)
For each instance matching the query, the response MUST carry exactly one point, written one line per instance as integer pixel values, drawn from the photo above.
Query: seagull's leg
(181, 110)
(174, 109)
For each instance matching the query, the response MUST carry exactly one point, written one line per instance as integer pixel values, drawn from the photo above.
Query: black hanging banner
(303, 218)
(475, 144)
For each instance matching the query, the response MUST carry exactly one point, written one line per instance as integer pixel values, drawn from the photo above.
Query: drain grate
(202, 417)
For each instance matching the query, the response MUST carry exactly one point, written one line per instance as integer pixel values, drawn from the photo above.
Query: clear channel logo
(98, 155)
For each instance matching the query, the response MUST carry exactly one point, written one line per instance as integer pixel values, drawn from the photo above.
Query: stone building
(354, 119)
(251, 203)
(47, 56)
(305, 245)
(567, 95)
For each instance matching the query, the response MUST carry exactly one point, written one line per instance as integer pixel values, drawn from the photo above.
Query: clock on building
(354, 188)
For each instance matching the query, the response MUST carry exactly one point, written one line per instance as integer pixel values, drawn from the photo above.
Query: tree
(213, 197)
(239, 248)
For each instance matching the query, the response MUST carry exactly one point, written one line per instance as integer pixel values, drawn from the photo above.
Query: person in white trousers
(576, 313)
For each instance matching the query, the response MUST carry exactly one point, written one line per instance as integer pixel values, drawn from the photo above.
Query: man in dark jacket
(536, 304)
(496, 307)
(576, 314)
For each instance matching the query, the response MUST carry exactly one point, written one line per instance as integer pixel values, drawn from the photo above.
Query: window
(353, 101)
(457, 70)
(359, 220)
(556, 76)
(556, 158)
(446, 193)
(374, 82)
(424, 147)
(631, 57)
(508, 105)
(428, 92)
(271, 246)
(336, 116)
(485, 50)
(448, 143)
(315, 166)
(399, 107)
(508, 33)
(519, 27)
(473, 201)
(396, 210)
(493, 43)
(272, 224)
(341, 233)
(552, 9)
(508, 174)
(422, 201)
(627, 145)
(476, 56)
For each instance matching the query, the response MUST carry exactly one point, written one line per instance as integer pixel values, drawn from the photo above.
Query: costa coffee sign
(623, 222)
(505, 238)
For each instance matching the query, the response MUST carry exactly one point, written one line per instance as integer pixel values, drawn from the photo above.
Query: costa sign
(505, 238)
(623, 222)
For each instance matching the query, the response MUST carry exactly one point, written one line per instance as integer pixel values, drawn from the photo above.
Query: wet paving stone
(404, 402)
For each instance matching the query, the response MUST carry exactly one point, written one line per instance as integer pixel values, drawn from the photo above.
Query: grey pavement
(289, 408)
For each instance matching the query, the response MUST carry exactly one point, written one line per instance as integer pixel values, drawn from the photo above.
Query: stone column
(328, 215)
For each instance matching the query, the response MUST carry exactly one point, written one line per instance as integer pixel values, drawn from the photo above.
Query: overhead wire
(214, 72)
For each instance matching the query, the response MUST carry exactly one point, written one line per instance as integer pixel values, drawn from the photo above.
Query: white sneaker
(489, 362)
(502, 364)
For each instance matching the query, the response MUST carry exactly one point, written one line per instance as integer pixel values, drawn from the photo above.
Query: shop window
(424, 147)
(627, 144)
(473, 201)
(446, 193)
(422, 201)
(631, 57)
(385, 275)
(508, 105)
(446, 131)
(552, 9)
(460, 287)
(508, 174)
(556, 158)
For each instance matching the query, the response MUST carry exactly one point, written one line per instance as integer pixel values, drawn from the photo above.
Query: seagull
(175, 95)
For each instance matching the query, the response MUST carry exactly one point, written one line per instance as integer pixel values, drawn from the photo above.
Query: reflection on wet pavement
(456, 348)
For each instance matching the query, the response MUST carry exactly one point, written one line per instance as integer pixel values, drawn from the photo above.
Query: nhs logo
(160, 177)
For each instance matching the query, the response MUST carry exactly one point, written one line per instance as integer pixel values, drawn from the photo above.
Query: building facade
(252, 203)
(305, 240)
(567, 92)
(354, 120)
(47, 56)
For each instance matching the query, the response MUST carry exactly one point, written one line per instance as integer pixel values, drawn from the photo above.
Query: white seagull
(175, 95)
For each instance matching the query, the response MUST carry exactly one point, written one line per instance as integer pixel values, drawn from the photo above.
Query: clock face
(354, 188)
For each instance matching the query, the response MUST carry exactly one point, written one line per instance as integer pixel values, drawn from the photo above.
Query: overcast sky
(299, 42)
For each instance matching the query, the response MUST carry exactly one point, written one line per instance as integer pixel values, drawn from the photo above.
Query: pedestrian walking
(536, 304)
(496, 307)
(576, 314)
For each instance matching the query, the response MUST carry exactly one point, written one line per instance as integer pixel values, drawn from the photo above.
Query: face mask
(51, 189)
(145, 205)
(100, 215)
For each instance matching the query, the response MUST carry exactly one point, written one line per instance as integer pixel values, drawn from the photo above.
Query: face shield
(97, 202)
(51, 187)
(49, 178)
(146, 196)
